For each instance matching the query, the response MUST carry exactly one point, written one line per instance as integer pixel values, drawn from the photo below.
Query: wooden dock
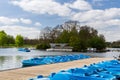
(30, 72)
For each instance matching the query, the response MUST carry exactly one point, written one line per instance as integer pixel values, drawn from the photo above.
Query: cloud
(113, 22)
(38, 24)
(87, 15)
(12, 26)
(111, 35)
(6, 20)
(10, 21)
(43, 7)
(25, 21)
(80, 5)
(93, 15)
(51, 7)
(28, 32)
(99, 18)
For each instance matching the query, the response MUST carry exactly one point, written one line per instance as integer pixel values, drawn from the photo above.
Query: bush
(42, 46)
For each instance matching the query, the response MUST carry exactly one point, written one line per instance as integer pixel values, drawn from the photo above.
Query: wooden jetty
(30, 72)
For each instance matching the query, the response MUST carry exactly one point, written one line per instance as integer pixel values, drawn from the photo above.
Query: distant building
(59, 47)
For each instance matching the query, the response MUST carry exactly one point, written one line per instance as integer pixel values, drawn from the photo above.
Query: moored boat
(24, 49)
(95, 71)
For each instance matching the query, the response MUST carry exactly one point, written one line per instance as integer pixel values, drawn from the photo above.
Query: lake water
(11, 58)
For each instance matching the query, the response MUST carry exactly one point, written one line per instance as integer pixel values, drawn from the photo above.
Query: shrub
(42, 46)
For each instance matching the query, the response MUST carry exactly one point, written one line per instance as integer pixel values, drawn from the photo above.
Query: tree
(3, 38)
(74, 40)
(98, 42)
(43, 46)
(85, 34)
(10, 39)
(115, 44)
(75, 43)
(64, 37)
(19, 40)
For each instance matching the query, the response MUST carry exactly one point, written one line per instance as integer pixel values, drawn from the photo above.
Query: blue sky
(29, 17)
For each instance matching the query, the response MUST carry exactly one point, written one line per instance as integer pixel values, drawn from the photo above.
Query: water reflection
(7, 62)
(2, 59)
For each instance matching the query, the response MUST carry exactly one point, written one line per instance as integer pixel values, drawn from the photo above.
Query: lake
(11, 58)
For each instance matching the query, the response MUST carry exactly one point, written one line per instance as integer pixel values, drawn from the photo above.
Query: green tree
(19, 40)
(115, 44)
(10, 40)
(64, 37)
(43, 46)
(98, 42)
(74, 32)
(75, 43)
(85, 34)
(74, 40)
(3, 38)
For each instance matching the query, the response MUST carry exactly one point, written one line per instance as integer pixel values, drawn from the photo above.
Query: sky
(29, 17)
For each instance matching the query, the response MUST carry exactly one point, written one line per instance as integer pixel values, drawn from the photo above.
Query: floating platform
(59, 50)
(45, 70)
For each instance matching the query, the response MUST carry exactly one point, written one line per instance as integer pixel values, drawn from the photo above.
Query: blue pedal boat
(33, 62)
(24, 49)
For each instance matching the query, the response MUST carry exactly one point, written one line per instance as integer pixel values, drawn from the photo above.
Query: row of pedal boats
(105, 70)
(53, 59)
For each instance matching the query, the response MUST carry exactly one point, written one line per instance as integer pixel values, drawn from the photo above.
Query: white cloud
(111, 13)
(93, 15)
(10, 21)
(12, 27)
(111, 35)
(99, 18)
(113, 22)
(80, 5)
(38, 24)
(24, 31)
(87, 16)
(25, 21)
(43, 6)
(6, 20)
(51, 7)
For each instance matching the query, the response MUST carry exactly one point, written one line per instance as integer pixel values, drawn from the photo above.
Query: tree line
(19, 41)
(5, 39)
(78, 37)
(114, 44)
(8, 40)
